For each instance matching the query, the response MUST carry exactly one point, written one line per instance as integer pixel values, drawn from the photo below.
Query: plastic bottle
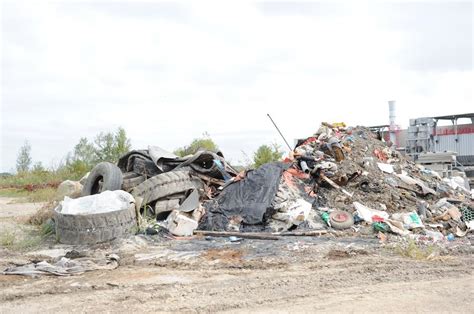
(325, 218)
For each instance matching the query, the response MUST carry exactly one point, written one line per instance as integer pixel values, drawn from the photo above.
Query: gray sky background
(167, 72)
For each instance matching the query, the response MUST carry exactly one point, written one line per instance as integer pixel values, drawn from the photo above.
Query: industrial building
(444, 148)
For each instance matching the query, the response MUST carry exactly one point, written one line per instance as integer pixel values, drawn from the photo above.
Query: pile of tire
(101, 227)
(95, 228)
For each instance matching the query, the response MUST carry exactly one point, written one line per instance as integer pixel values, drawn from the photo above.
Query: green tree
(83, 157)
(122, 143)
(104, 147)
(84, 151)
(23, 160)
(266, 154)
(204, 143)
(111, 146)
(38, 168)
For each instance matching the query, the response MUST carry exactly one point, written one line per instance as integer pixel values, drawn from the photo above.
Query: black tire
(131, 180)
(164, 184)
(104, 177)
(95, 228)
(340, 219)
(166, 205)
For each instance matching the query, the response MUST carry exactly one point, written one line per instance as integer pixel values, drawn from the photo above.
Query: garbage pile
(348, 179)
(340, 178)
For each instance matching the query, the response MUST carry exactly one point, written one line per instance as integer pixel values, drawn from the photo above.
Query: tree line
(110, 146)
(106, 146)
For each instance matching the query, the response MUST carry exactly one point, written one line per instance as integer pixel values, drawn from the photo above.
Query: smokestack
(393, 125)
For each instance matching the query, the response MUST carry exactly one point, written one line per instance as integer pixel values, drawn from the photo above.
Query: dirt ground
(304, 274)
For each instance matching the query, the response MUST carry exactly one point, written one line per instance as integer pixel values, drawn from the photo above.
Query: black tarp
(249, 198)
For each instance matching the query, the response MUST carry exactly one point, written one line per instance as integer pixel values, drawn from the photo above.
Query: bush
(204, 143)
(266, 154)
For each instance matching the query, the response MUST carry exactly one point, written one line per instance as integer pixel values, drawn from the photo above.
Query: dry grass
(43, 214)
(7, 238)
(20, 242)
(37, 196)
(42, 195)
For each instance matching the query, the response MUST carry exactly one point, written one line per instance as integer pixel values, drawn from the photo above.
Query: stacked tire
(90, 229)
(95, 228)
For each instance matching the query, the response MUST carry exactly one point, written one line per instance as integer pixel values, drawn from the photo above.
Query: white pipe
(392, 118)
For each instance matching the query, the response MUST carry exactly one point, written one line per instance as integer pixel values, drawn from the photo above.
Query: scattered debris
(341, 176)
(63, 267)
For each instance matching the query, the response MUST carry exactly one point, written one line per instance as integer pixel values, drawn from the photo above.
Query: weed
(37, 180)
(47, 228)
(42, 195)
(29, 242)
(415, 251)
(7, 238)
(13, 192)
(36, 196)
(43, 214)
(27, 239)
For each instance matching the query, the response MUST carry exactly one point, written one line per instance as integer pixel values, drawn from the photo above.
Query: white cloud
(169, 72)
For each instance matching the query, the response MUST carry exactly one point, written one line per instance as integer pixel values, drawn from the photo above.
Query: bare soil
(325, 274)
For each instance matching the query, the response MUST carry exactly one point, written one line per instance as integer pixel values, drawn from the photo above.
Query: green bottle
(325, 218)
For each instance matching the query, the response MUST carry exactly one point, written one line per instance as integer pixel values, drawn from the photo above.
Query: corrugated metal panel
(451, 130)
(464, 146)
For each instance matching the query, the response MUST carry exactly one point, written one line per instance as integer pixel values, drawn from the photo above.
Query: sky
(169, 71)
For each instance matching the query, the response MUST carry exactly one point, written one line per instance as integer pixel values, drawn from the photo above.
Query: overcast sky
(167, 72)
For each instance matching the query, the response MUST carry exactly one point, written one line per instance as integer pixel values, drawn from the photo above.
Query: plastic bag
(410, 220)
(369, 214)
(108, 201)
(296, 214)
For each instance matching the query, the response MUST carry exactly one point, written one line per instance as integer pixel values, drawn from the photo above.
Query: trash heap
(343, 178)
(340, 178)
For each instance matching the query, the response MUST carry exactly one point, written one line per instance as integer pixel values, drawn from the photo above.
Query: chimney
(393, 125)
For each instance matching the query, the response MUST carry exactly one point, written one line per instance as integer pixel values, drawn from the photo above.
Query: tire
(164, 184)
(131, 180)
(104, 177)
(166, 205)
(145, 167)
(95, 228)
(341, 220)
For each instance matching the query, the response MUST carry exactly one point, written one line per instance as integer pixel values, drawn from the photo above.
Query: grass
(7, 238)
(47, 229)
(36, 196)
(32, 187)
(43, 214)
(12, 192)
(42, 195)
(28, 243)
(36, 186)
(38, 179)
(14, 241)
(415, 251)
